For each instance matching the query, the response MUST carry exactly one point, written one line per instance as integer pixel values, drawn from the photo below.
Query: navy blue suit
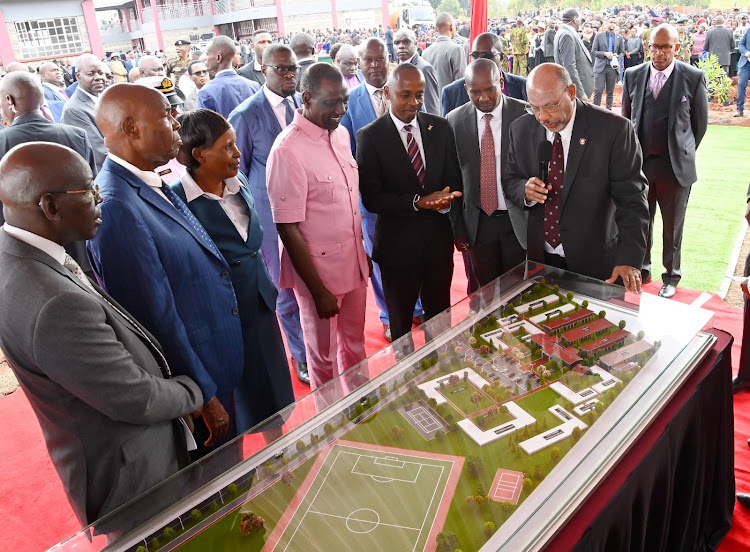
(55, 101)
(156, 265)
(455, 95)
(266, 386)
(257, 127)
(359, 114)
(70, 90)
(225, 92)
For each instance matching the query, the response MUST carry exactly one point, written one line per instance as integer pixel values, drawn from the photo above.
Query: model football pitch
(368, 499)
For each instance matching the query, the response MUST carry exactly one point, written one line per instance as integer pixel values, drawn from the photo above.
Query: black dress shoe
(302, 375)
(744, 499)
(667, 291)
(739, 384)
(387, 332)
(645, 277)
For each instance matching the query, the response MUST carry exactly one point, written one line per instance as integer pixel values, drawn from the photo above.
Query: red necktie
(488, 169)
(554, 197)
(416, 158)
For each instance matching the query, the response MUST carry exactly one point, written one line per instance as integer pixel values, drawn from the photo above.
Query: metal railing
(227, 6)
(120, 27)
(178, 10)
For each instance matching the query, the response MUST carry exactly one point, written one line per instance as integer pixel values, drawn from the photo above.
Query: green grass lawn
(715, 210)
(578, 381)
(460, 395)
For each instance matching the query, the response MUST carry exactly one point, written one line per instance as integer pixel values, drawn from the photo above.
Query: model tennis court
(364, 499)
(425, 419)
(507, 486)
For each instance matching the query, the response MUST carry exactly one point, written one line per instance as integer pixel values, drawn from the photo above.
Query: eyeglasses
(533, 110)
(93, 193)
(199, 73)
(283, 70)
(657, 48)
(483, 55)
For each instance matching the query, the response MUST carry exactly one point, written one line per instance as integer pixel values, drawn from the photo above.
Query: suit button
(224, 274)
(235, 310)
(237, 263)
(253, 253)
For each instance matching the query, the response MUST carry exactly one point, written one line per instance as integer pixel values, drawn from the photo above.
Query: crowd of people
(163, 230)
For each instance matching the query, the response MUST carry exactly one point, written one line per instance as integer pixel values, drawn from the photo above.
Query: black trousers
(496, 249)
(672, 199)
(429, 280)
(744, 372)
(605, 80)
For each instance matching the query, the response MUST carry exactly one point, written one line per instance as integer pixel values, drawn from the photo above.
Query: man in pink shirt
(313, 188)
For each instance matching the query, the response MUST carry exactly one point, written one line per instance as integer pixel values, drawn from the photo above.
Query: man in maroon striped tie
(409, 176)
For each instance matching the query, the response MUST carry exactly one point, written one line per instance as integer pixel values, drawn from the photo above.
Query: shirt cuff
(288, 216)
(528, 203)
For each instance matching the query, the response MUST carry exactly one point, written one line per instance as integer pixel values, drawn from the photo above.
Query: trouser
(430, 280)
(742, 79)
(664, 190)
(333, 344)
(744, 372)
(496, 249)
(519, 64)
(606, 79)
(392, 53)
(286, 304)
(368, 231)
(733, 59)
(634, 60)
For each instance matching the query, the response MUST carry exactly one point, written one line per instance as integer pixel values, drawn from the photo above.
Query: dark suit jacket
(146, 249)
(225, 92)
(103, 397)
(604, 210)
(79, 112)
(248, 71)
(304, 65)
(463, 120)
(36, 128)
(431, 90)
(388, 184)
(719, 42)
(688, 113)
(599, 47)
(455, 95)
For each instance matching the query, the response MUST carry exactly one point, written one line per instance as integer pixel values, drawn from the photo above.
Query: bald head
(134, 74)
(549, 75)
(404, 71)
(49, 72)
(30, 190)
(482, 68)
(150, 66)
(138, 125)
(20, 93)
(15, 66)
(219, 54)
(444, 24)
(303, 45)
(664, 31)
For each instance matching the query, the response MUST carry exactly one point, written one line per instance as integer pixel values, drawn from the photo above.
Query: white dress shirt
(95, 98)
(667, 72)
(415, 133)
(152, 179)
(373, 98)
(232, 202)
(278, 105)
(565, 135)
(54, 250)
(496, 125)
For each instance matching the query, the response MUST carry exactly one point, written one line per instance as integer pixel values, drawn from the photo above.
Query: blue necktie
(611, 42)
(185, 212)
(289, 112)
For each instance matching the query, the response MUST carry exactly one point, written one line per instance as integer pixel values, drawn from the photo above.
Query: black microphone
(544, 156)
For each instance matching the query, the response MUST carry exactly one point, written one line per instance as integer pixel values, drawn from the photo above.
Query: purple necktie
(554, 197)
(488, 169)
(416, 158)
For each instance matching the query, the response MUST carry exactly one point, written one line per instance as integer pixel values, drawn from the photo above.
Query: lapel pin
(429, 127)
(582, 141)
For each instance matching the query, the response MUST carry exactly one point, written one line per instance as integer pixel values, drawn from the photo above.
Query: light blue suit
(155, 264)
(257, 127)
(225, 92)
(360, 114)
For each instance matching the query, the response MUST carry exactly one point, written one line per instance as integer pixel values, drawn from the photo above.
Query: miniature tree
(440, 435)
(528, 385)
(641, 334)
(232, 490)
(576, 434)
(508, 507)
(453, 379)
(585, 304)
(169, 534)
(328, 429)
(489, 529)
(213, 508)
(602, 314)
(141, 548)
(538, 472)
(358, 410)
(251, 523)
(382, 391)
(516, 390)
(288, 477)
(590, 417)
(155, 543)
(196, 516)
(555, 455)
(528, 484)
(442, 384)
(475, 465)
(398, 432)
(446, 542)
(476, 397)
(570, 295)
(301, 446)
(481, 491)
(622, 324)
(432, 401)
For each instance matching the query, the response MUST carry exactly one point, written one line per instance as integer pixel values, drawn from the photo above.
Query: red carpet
(36, 514)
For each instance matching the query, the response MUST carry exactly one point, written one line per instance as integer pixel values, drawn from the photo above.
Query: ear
(197, 154)
(306, 98)
(387, 92)
(129, 127)
(49, 207)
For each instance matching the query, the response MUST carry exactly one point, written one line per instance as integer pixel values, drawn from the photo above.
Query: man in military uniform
(177, 66)
(685, 40)
(519, 46)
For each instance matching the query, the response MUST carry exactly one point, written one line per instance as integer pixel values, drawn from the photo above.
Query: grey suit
(605, 76)
(506, 232)
(79, 112)
(431, 90)
(720, 42)
(98, 387)
(570, 52)
(448, 59)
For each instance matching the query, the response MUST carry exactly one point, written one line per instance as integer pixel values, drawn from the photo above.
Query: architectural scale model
(443, 451)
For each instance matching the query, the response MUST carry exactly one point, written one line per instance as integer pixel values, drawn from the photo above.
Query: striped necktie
(416, 158)
(189, 216)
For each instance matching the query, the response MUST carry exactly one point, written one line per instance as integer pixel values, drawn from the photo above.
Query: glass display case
(483, 429)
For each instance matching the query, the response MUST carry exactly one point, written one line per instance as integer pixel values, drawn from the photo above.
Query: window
(49, 37)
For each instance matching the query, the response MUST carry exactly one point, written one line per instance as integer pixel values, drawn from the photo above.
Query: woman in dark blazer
(219, 197)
